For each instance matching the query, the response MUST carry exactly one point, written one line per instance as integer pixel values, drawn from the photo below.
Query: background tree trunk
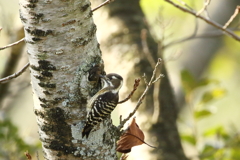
(121, 25)
(62, 49)
(11, 65)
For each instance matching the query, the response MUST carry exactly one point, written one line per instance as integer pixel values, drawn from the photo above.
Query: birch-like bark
(62, 49)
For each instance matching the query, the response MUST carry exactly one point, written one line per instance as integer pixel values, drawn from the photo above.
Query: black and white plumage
(103, 102)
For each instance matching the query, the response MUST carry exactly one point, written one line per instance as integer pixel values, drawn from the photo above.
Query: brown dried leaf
(132, 137)
(27, 154)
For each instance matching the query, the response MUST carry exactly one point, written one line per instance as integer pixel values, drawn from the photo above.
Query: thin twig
(206, 10)
(142, 96)
(185, 4)
(206, 35)
(158, 78)
(15, 75)
(10, 45)
(103, 4)
(237, 10)
(193, 35)
(151, 60)
(212, 23)
(136, 84)
(156, 86)
(206, 4)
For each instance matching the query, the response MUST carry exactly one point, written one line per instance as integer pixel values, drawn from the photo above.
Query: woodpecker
(103, 102)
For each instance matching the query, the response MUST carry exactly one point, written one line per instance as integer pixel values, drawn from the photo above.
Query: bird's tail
(86, 130)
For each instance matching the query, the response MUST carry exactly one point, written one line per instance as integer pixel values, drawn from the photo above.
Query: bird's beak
(104, 80)
(103, 77)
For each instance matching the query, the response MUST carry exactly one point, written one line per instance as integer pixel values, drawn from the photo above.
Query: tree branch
(15, 75)
(136, 84)
(206, 4)
(211, 22)
(10, 45)
(190, 37)
(237, 10)
(103, 4)
(152, 80)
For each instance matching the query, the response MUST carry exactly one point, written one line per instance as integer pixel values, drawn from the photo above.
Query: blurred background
(203, 64)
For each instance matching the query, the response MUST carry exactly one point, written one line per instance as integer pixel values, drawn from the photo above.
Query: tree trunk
(62, 50)
(122, 24)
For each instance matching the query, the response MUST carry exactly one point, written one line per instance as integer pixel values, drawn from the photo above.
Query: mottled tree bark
(62, 50)
(123, 22)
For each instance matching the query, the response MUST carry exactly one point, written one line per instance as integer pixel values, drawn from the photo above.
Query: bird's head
(113, 81)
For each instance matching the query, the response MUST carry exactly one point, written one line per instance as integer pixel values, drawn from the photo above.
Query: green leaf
(212, 95)
(202, 113)
(207, 149)
(235, 153)
(189, 138)
(12, 143)
(205, 82)
(219, 131)
(214, 130)
(188, 81)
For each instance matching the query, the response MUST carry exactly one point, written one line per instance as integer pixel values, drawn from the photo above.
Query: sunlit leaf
(209, 152)
(189, 138)
(217, 131)
(220, 153)
(202, 113)
(213, 131)
(213, 94)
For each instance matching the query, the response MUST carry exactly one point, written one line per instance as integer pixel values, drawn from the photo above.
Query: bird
(103, 102)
